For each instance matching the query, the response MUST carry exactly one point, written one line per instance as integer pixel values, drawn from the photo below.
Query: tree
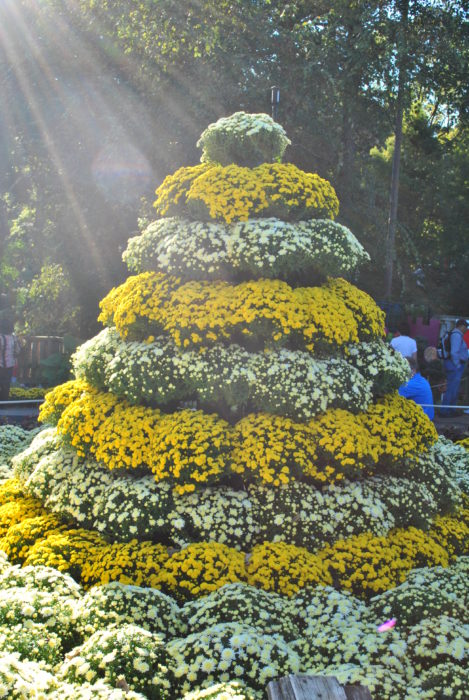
(49, 306)
(402, 88)
(423, 36)
(122, 89)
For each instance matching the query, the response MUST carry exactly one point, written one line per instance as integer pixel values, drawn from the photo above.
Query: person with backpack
(454, 353)
(9, 351)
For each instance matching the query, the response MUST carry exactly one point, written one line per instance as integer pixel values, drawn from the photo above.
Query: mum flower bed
(231, 489)
(60, 638)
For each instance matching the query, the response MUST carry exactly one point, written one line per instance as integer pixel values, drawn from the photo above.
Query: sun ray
(102, 121)
(8, 30)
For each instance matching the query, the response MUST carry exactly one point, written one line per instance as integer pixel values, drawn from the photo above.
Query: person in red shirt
(466, 337)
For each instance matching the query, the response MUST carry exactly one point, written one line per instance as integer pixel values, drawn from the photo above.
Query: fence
(35, 349)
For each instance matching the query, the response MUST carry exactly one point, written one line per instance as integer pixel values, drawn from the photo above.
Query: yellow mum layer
(174, 188)
(124, 440)
(192, 448)
(134, 563)
(286, 569)
(67, 550)
(139, 300)
(202, 568)
(201, 313)
(397, 427)
(268, 311)
(20, 537)
(273, 450)
(82, 418)
(454, 531)
(234, 193)
(363, 564)
(367, 565)
(369, 317)
(10, 490)
(16, 510)
(61, 396)
(189, 448)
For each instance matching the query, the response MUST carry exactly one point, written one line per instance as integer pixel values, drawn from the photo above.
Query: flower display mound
(443, 679)
(114, 604)
(231, 650)
(41, 578)
(225, 691)
(120, 640)
(242, 603)
(231, 477)
(129, 652)
(411, 602)
(13, 439)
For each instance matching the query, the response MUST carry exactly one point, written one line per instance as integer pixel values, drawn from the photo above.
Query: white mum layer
(123, 507)
(247, 249)
(287, 382)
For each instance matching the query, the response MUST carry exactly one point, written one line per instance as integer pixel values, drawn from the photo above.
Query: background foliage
(102, 100)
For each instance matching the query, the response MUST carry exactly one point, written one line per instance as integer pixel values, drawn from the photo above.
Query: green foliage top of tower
(244, 139)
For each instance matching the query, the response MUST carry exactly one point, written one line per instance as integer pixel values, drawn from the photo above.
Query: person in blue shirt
(454, 368)
(418, 389)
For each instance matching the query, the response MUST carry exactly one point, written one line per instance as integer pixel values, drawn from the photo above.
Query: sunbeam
(84, 117)
(14, 23)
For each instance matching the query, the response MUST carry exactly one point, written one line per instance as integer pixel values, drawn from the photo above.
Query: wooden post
(357, 692)
(314, 688)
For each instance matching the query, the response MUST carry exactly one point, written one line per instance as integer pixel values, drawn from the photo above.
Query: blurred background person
(9, 351)
(418, 389)
(403, 343)
(455, 365)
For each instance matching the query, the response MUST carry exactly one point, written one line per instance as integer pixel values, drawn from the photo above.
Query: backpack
(444, 346)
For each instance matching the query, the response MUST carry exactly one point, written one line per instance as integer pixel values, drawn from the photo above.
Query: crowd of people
(454, 361)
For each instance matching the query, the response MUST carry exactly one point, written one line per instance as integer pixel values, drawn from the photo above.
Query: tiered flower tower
(232, 479)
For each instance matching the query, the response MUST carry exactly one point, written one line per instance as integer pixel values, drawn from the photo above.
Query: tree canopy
(103, 99)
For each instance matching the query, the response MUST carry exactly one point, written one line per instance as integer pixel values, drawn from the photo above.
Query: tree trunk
(4, 227)
(348, 156)
(396, 160)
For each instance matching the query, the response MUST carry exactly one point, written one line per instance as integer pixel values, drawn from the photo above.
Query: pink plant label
(388, 625)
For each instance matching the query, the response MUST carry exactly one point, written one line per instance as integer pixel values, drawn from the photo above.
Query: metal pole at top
(275, 101)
